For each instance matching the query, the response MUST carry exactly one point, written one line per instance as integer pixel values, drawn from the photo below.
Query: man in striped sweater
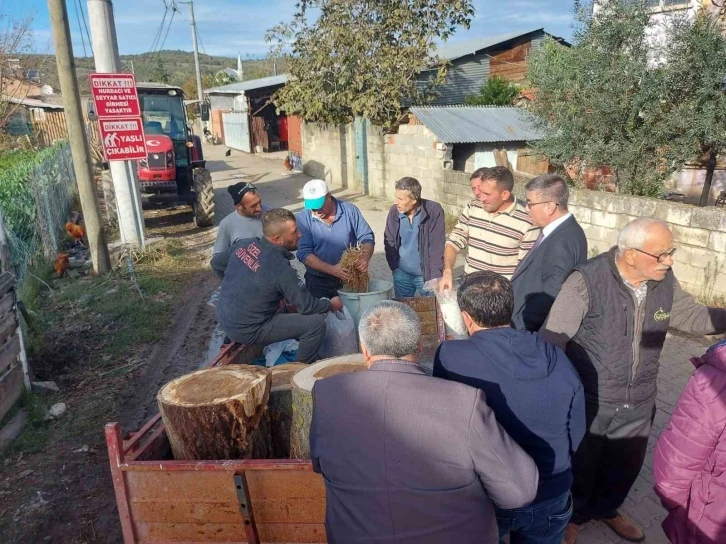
(494, 226)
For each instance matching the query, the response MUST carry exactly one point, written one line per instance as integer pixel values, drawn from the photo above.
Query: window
(667, 4)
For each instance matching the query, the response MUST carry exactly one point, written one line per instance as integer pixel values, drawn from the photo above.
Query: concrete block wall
(699, 234)
(329, 154)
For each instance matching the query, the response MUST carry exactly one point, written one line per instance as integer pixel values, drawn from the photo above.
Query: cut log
(218, 413)
(302, 400)
(281, 407)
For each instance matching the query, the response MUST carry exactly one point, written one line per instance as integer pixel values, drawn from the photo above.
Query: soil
(63, 493)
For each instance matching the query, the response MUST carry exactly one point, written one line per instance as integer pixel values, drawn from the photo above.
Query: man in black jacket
(414, 239)
(561, 246)
(611, 318)
(256, 276)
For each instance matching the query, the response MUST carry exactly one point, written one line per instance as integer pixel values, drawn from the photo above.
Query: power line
(160, 29)
(85, 25)
(80, 30)
(168, 28)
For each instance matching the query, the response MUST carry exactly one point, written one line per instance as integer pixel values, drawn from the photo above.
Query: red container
(282, 127)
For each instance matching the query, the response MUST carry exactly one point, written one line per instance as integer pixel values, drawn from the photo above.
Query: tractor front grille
(157, 160)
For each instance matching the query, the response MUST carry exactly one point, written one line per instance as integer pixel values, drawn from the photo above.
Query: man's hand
(362, 264)
(340, 273)
(335, 304)
(446, 283)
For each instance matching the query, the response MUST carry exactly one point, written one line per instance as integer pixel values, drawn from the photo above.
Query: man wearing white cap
(329, 226)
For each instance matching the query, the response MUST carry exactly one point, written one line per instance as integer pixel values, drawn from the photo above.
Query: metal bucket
(357, 303)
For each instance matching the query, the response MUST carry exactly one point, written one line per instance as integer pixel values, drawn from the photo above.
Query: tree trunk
(302, 400)
(710, 167)
(218, 413)
(280, 406)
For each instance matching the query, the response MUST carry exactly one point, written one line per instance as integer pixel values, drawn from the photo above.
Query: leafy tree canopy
(497, 91)
(624, 99)
(363, 58)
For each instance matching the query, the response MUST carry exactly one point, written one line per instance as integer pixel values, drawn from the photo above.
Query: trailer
(163, 501)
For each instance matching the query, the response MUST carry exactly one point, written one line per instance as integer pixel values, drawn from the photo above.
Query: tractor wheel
(109, 199)
(204, 205)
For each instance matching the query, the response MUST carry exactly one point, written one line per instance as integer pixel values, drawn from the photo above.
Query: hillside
(177, 66)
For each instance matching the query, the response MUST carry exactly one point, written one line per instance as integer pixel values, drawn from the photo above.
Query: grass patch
(34, 435)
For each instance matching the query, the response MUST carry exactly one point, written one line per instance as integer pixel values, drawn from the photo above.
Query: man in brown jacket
(406, 458)
(611, 317)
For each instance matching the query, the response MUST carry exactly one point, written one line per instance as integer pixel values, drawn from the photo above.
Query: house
(243, 117)
(473, 62)
(481, 136)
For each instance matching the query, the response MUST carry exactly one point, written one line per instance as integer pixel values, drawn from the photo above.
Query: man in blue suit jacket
(561, 246)
(533, 390)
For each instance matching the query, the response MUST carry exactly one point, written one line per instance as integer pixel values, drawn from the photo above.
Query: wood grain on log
(281, 408)
(302, 400)
(218, 413)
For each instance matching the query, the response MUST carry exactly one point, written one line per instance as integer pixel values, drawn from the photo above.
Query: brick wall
(699, 233)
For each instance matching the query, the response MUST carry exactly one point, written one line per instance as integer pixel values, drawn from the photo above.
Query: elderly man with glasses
(611, 318)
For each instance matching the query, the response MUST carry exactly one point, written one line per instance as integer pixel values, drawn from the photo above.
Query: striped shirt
(496, 241)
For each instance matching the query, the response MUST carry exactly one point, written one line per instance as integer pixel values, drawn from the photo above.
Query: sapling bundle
(358, 282)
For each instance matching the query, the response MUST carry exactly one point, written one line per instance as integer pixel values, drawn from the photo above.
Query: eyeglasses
(660, 258)
(530, 204)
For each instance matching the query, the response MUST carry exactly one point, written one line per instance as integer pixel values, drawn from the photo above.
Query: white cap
(314, 193)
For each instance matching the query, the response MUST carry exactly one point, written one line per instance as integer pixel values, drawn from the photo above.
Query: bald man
(611, 318)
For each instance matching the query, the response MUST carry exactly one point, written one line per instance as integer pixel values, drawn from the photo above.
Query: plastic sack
(454, 322)
(340, 335)
(273, 352)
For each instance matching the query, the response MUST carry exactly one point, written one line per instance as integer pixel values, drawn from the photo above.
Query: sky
(231, 27)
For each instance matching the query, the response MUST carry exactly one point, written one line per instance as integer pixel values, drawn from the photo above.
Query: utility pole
(128, 195)
(77, 136)
(200, 91)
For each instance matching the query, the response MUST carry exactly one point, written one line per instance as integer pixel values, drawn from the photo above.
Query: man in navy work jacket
(328, 227)
(533, 390)
(406, 458)
(414, 239)
(256, 276)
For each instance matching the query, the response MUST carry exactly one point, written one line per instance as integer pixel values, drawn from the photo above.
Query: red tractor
(174, 170)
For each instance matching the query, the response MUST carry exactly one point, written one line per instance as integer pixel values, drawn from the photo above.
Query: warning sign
(115, 95)
(123, 139)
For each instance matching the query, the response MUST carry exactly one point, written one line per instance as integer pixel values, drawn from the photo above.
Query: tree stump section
(218, 413)
(302, 399)
(281, 407)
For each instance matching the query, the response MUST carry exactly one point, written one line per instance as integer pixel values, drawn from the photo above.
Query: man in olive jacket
(611, 317)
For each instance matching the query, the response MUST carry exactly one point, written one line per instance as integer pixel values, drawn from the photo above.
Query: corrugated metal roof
(33, 103)
(252, 84)
(453, 51)
(477, 124)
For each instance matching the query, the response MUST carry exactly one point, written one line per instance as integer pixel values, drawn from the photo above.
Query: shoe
(571, 532)
(625, 528)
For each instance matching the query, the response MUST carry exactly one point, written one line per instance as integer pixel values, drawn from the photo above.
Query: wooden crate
(11, 373)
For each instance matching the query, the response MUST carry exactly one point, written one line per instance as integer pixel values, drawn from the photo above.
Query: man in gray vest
(611, 317)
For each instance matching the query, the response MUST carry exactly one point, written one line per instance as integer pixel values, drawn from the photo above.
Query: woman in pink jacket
(690, 457)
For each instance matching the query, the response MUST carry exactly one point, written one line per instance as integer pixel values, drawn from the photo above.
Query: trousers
(609, 459)
(322, 286)
(309, 330)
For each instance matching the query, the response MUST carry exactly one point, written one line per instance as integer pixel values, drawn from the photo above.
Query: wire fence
(35, 198)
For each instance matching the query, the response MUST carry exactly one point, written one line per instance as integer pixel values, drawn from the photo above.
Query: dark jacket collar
(266, 245)
(397, 365)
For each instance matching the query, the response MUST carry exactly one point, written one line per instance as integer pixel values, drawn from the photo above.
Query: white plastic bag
(340, 335)
(454, 322)
(272, 352)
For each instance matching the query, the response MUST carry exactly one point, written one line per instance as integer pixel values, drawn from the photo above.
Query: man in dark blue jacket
(534, 392)
(256, 276)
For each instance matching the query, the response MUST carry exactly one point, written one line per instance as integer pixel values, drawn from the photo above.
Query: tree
(362, 58)
(208, 82)
(15, 42)
(695, 57)
(621, 98)
(497, 91)
(594, 100)
(159, 74)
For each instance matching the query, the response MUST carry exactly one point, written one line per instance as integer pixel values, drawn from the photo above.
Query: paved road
(281, 188)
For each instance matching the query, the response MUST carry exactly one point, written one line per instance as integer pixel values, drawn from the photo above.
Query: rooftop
(477, 124)
(251, 85)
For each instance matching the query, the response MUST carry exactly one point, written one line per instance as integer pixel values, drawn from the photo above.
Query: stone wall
(699, 233)
(329, 154)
